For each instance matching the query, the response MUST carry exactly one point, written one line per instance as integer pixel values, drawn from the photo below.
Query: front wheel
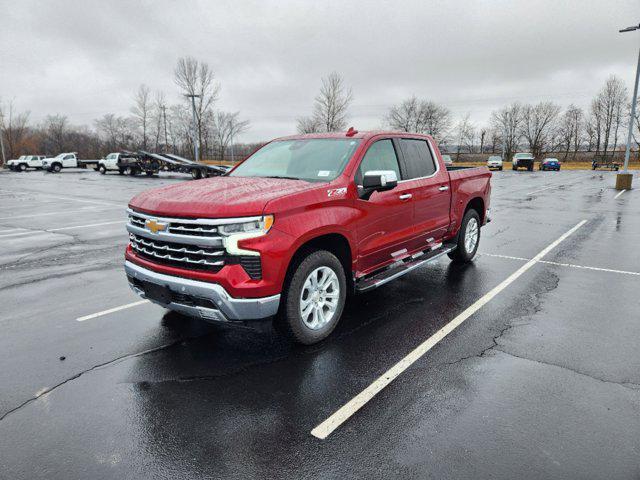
(57, 167)
(313, 299)
(468, 238)
(23, 167)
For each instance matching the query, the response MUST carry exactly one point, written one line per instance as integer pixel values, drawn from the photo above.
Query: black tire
(102, 169)
(530, 168)
(23, 167)
(514, 168)
(121, 170)
(148, 173)
(289, 319)
(196, 174)
(500, 168)
(460, 254)
(56, 167)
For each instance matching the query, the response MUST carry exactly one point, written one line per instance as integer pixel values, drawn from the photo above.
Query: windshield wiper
(283, 176)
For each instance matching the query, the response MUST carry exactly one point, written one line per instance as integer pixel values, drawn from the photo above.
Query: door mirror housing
(377, 181)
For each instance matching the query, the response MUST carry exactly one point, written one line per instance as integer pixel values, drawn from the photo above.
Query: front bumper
(208, 301)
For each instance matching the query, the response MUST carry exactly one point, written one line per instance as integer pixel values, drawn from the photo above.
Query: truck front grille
(178, 255)
(192, 244)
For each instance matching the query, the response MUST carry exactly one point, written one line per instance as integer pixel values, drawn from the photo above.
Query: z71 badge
(336, 192)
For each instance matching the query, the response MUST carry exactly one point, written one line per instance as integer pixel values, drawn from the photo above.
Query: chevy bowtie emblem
(154, 226)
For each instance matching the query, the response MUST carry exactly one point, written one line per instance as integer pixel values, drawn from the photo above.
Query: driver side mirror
(378, 181)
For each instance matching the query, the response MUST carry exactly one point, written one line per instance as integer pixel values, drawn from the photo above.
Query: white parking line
(111, 310)
(324, 429)
(571, 265)
(621, 192)
(49, 230)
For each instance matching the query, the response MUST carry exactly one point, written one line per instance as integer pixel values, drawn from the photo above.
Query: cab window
(380, 156)
(418, 161)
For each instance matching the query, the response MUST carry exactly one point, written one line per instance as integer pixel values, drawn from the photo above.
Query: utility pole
(164, 116)
(4, 160)
(232, 157)
(623, 180)
(196, 137)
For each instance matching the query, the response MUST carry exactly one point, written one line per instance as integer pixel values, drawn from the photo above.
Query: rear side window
(418, 161)
(380, 156)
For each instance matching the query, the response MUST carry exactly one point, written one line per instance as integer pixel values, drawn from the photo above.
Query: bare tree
(329, 108)
(465, 135)
(537, 125)
(406, 116)
(142, 111)
(197, 78)
(570, 129)
(420, 116)
(15, 129)
(308, 125)
(117, 132)
(606, 112)
(56, 132)
(507, 122)
(483, 138)
(226, 126)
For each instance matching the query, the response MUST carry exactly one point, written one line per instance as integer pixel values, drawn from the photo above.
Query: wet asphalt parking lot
(540, 379)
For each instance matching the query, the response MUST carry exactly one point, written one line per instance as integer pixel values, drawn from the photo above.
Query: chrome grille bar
(152, 244)
(165, 252)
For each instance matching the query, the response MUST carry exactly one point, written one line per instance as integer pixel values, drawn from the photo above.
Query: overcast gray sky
(84, 58)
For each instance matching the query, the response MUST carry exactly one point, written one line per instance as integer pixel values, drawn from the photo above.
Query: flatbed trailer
(135, 163)
(175, 163)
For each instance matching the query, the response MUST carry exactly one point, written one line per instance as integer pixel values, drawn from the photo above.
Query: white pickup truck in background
(25, 162)
(67, 160)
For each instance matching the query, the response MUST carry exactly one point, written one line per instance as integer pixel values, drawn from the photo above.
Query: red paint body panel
(374, 228)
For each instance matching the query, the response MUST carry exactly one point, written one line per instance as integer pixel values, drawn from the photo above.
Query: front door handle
(405, 196)
(443, 188)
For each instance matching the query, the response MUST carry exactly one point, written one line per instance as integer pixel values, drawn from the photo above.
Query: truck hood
(217, 197)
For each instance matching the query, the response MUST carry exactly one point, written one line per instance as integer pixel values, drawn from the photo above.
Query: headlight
(260, 227)
(235, 232)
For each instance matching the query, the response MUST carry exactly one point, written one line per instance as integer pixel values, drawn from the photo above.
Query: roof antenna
(351, 132)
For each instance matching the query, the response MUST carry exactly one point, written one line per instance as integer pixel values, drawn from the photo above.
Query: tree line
(154, 125)
(538, 128)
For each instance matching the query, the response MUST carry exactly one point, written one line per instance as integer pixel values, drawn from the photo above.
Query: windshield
(313, 159)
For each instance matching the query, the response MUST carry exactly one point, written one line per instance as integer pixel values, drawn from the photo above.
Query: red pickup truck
(300, 224)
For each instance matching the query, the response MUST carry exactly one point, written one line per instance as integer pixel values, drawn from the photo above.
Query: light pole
(4, 160)
(623, 180)
(196, 137)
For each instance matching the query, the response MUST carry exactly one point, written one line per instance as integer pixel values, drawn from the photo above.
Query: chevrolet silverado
(300, 224)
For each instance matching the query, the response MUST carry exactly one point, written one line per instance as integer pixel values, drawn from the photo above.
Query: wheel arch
(477, 204)
(336, 243)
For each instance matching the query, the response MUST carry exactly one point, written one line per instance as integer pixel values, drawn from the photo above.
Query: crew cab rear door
(385, 224)
(427, 180)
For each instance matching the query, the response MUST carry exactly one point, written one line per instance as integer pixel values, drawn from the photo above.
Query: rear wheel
(313, 299)
(121, 170)
(500, 168)
(102, 169)
(148, 173)
(468, 238)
